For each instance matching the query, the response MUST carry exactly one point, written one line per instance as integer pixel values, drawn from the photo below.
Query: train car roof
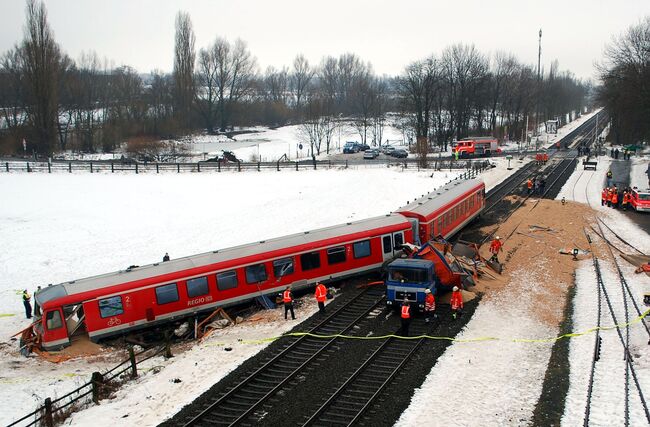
(426, 207)
(336, 233)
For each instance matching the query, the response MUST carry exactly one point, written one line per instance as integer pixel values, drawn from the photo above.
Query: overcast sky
(389, 34)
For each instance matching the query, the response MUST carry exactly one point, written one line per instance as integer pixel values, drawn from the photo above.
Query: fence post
(136, 168)
(258, 166)
(157, 169)
(96, 381)
(70, 167)
(134, 366)
(91, 167)
(49, 167)
(168, 349)
(238, 166)
(278, 166)
(178, 167)
(7, 166)
(28, 169)
(112, 167)
(329, 163)
(346, 163)
(49, 422)
(198, 167)
(314, 164)
(218, 166)
(296, 165)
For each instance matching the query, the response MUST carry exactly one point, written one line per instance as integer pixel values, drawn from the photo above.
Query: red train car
(447, 210)
(145, 296)
(114, 303)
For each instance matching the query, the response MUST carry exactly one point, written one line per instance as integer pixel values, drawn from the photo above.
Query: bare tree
(318, 126)
(184, 57)
(207, 93)
(301, 78)
(42, 68)
(418, 88)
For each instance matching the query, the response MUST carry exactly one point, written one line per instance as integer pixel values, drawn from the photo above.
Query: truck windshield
(645, 197)
(408, 275)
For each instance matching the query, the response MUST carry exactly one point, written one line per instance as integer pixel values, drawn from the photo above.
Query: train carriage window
(197, 287)
(399, 240)
(388, 244)
(255, 273)
(227, 280)
(53, 320)
(439, 225)
(310, 261)
(282, 267)
(361, 249)
(167, 294)
(336, 255)
(110, 307)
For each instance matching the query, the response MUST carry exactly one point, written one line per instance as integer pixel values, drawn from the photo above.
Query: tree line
(625, 89)
(56, 103)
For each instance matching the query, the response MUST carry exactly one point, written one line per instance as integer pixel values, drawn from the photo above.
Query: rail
(44, 414)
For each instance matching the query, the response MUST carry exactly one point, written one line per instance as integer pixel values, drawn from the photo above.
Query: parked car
(350, 148)
(388, 149)
(400, 153)
(363, 147)
(371, 154)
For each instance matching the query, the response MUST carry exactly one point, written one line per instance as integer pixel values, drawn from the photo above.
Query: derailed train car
(140, 297)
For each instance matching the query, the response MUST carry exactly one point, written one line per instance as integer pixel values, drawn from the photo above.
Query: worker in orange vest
(456, 302)
(321, 296)
(429, 306)
(287, 299)
(615, 199)
(405, 314)
(529, 184)
(609, 197)
(603, 197)
(626, 200)
(495, 248)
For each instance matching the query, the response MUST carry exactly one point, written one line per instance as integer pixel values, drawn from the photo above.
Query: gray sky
(390, 34)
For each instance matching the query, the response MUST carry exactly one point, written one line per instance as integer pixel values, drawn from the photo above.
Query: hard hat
(427, 291)
(498, 238)
(455, 288)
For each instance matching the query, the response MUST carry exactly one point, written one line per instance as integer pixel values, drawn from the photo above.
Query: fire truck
(476, 146)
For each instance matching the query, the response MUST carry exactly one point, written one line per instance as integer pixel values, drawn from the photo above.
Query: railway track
(348, 404)
(245, 399)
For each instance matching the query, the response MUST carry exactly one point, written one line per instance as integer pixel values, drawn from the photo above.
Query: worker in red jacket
(626, 200)
(321, 296)
(456, 302)
(287, 299)
(615, 198)
(495, 247)
(529, 184)
(429, 306)
(405, 315)
(603, 197)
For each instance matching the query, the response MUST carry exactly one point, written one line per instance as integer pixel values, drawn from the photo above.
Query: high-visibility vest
(626, 198)
(321, 293)
(406, 311)
(429, 303)
(529, 184)
(286, 296)
(604, 195)
(456, 300)
(614, 198)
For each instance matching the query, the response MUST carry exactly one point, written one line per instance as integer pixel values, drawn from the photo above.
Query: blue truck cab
(409, 278)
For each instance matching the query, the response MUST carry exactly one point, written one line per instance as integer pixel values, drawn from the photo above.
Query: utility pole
(539, 84)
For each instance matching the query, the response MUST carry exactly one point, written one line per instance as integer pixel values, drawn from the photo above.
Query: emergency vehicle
(476, 146)
(640, 200)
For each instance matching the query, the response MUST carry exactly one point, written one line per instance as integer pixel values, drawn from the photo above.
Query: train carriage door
(55, 333)
(415, 229)
(387, 247)
(398, 241)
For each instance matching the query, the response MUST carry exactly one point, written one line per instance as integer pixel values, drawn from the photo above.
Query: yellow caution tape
(459, 340)
(6, 314)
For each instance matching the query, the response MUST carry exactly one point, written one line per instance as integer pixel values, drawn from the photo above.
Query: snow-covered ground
(57, 227)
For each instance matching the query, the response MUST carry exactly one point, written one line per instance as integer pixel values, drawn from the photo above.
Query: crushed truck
(427, 267)
(476, 146)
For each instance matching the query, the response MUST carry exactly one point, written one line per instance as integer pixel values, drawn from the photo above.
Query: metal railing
(90, 391)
